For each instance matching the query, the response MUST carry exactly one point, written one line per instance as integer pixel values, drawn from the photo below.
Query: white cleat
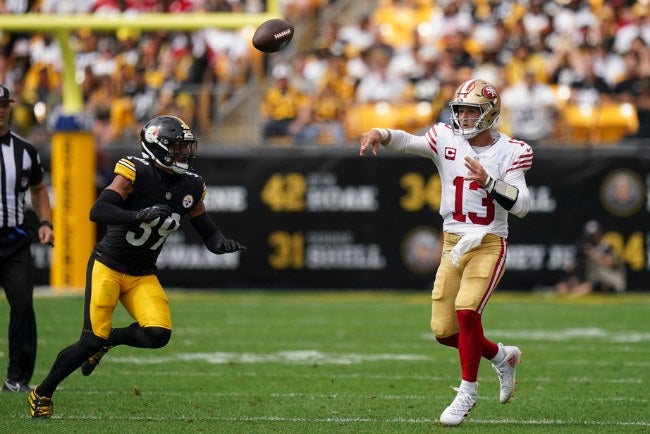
(506, 372)
(458, 409)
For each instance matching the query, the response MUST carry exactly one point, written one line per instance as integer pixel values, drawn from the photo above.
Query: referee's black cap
(5, 95)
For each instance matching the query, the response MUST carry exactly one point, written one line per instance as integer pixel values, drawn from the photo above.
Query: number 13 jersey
(465, 206)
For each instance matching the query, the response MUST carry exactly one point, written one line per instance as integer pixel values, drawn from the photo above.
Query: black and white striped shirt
(20, 167)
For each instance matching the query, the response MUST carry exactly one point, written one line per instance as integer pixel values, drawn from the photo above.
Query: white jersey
(466, 207)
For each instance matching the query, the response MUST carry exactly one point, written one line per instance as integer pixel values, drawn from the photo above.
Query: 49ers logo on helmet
(489, 92)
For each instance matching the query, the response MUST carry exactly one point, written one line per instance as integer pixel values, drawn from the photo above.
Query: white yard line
(338, 420)
(377, 396)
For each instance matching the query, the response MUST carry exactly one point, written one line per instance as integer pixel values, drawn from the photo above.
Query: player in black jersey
(141, 207)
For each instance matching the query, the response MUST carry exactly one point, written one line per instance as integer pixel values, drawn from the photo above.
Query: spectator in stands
(424, 82)
(127, 45)
(454, 46)
(45, 50)
(488, 60)
(524, 60)
(409, 61)
(379, 84)
(628, 87)
(572, 21)
(634, 22)
(335, 74)
(596, 266)
(643, 108)
(608, 64)
(22, 116)
(537, 23)
(397, 21)
(65, 7)
(359, 34)
(42, 90)
(451, 17)
(517, 36)
(281, 105)
(608, 14)
(587, 87)
(321, 121)
(99, 106)
(560, 64)
(143, 98)
(642, 48)
(7, 75)
(529, 109)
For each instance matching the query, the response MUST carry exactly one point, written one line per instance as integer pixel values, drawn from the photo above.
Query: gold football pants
(142, 296)
(468, 286)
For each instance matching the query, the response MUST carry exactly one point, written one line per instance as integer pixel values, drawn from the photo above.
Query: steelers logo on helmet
(169, 142)
(151, 133)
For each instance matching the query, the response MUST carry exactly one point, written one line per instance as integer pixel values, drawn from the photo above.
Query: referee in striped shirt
(20, 170)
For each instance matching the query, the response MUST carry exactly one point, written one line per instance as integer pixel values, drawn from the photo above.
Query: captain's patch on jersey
(450, 153)
(188, 201)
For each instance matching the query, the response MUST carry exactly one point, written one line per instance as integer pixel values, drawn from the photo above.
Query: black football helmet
(168, 141)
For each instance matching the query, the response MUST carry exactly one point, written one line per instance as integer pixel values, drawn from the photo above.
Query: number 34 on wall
(420, 192)
(630, 251)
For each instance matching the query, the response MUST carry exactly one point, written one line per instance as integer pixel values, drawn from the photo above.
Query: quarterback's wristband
(46, 223)
(505, 194)
(489, 185)
(506, 190)
(385, 135)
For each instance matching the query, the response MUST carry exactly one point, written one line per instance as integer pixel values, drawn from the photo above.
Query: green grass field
(346, 362)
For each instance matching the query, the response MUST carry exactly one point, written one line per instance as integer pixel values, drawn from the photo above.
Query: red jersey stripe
(496, 274)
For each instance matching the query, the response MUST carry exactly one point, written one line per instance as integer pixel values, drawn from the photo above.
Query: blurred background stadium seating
(353, 64)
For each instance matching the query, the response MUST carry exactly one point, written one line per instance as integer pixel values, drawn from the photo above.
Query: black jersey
(134, 248)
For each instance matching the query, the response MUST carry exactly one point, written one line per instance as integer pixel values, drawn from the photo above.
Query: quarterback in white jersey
(482, 174)
(466, 206)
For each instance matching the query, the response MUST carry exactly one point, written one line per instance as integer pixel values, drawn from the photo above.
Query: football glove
(151, 213)
(228, 246)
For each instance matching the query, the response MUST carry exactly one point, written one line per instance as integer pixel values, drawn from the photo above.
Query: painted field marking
(286, 357)
(532, 422)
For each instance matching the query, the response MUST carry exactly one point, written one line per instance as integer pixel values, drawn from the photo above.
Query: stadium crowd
(572, 70)
(128, 76)
(568, 70)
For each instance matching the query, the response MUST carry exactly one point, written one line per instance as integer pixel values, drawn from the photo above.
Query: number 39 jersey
(465, 206)
(134, 248)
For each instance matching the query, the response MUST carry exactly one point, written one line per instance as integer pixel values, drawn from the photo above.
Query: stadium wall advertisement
(330, 219)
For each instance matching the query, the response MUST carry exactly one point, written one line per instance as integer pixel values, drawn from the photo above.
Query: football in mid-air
(273, 35)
